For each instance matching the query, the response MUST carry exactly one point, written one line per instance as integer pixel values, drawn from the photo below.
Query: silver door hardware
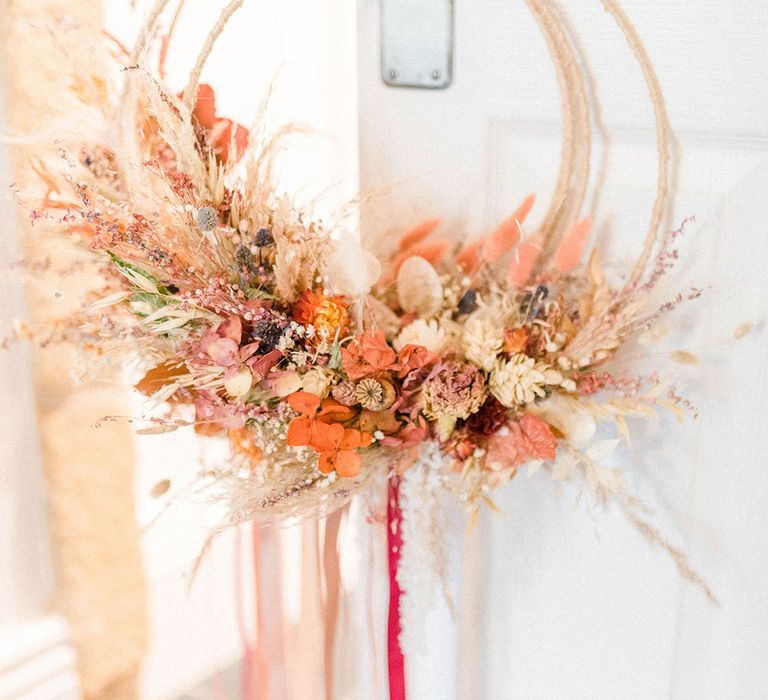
(417, 43)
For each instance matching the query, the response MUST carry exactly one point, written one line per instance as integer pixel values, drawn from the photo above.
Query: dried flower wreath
(323, 364)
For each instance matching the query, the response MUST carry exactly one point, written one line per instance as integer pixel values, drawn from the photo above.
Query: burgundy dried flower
(490, 418)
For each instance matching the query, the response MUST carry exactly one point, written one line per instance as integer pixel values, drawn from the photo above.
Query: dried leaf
(160, 488)
(108, 301)
(163, 374)
(158, 428)
(742, 330)
(595, 272)
(495, 245)
(601, 448)
(684, 357)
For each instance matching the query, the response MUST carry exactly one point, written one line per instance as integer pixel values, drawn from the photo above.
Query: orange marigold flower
(328, 315)
(367, 354)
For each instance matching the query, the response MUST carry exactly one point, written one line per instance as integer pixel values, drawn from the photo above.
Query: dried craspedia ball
(468, 302)
(263, 238)
(206, 218)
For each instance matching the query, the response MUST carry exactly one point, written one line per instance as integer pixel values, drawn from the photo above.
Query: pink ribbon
(395, 657)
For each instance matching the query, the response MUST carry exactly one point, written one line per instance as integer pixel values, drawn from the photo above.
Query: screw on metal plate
(417, 37)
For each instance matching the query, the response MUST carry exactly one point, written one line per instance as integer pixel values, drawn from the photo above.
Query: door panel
(556, 599)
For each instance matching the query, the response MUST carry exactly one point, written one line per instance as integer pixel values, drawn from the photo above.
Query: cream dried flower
(317, 381)
(430, 334)
(482, 341)
(521, 379)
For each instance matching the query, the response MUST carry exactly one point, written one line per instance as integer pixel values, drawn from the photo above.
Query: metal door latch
(417, 43)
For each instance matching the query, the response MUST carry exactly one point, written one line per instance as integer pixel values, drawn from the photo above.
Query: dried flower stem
(653, 535)
(194, 77)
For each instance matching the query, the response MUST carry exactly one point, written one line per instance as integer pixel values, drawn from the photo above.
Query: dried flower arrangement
(322, 363)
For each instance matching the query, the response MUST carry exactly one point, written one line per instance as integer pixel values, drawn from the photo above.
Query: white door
(556, 600)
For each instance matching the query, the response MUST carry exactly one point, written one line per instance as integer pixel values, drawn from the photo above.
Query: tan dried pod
(389, 394)
(375, 394)
(419, 288)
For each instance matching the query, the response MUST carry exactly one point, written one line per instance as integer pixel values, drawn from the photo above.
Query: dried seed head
(468, 302)
(374, 394)
(263, 238)
(206, 218)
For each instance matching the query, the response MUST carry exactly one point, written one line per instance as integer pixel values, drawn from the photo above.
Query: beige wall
(89, 472)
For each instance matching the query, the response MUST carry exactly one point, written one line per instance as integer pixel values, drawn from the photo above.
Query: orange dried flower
(367, 354)
(327, 314)
(317, 427)
(515, 340)
(413, 357)
(241, 441)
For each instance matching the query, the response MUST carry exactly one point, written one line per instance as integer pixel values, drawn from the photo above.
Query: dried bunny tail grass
(654, 536)
(663, 137)
(194, 77)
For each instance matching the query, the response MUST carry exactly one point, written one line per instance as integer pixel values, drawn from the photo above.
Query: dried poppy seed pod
(389, 393)
(374, 394)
